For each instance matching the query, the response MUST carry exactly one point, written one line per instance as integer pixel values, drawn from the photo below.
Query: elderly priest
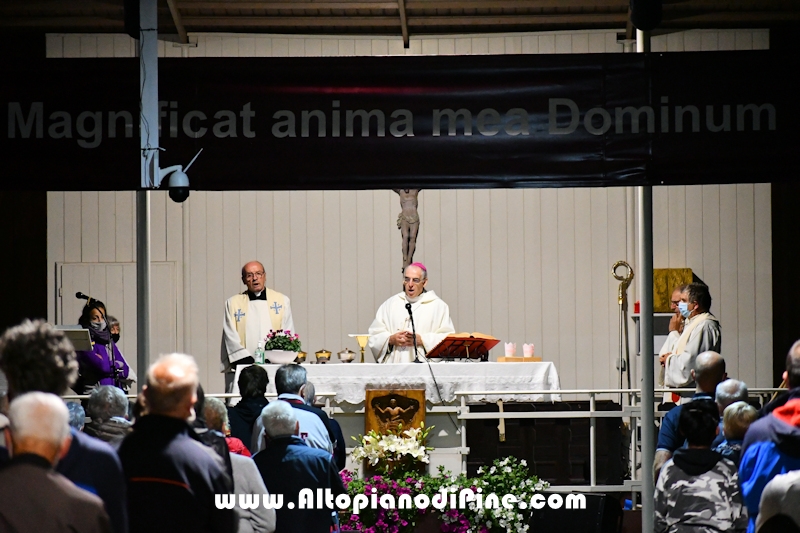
(391, 340)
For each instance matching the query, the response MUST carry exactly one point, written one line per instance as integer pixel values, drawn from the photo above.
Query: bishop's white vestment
(247, 322)
(431, 319)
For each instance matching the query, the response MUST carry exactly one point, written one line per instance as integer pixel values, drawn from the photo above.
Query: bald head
(253, 276)
(709, 371)
(39, 425)
(171, 388)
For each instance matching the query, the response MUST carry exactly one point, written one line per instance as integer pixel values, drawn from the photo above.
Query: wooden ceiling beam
(578, 20)
(176, 19)
(413, 4)
(67, 23)
(401, 6)
(289, 22)
(294, 6)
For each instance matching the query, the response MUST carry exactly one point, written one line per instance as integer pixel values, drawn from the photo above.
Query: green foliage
(282, 340)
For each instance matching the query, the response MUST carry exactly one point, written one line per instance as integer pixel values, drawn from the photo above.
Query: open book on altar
(464, 346)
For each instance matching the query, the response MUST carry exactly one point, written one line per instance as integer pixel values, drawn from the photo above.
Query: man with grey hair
(249, 317)
(315, 430)
(37, 357)
(172, 477)
(391, 339)
(34, 497)
(108, 409)
(288, 465)
(730, 391)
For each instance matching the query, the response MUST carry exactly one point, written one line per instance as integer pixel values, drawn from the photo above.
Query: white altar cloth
(350, 381)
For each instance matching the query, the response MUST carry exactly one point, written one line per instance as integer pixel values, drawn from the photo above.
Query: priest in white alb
(701, 333)
(391, 339)
(249, 317)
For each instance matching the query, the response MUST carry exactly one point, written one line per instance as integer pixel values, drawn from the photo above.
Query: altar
(348, 382)
(343, 388)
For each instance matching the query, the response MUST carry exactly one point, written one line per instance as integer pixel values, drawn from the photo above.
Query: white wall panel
(525, 265)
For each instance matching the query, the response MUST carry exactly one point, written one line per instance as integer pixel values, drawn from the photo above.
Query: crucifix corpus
(408, 223)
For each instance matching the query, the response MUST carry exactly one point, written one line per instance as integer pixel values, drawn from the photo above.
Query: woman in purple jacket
(102, 365)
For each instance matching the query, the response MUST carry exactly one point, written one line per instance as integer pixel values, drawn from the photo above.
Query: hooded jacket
(243, 415)
(771, 447)
(698, 492)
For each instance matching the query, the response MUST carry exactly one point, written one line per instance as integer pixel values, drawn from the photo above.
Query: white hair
(729, 391)
(278, 419)
(40, 416)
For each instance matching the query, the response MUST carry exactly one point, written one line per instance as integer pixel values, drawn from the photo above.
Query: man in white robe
(391, 340)
(249, 317)
(675, 330)
(701, 333)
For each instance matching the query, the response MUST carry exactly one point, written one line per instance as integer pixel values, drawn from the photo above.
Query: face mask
(98, 326)
(683, 307)
(115, 337)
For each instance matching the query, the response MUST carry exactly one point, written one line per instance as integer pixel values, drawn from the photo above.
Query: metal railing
(633, 411)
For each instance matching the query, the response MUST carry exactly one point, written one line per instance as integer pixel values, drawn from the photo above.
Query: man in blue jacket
(288, 466)
(772, 444)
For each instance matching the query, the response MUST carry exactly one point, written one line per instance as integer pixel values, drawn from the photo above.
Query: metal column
(148, 133)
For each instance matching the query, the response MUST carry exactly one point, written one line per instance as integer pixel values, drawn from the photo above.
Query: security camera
(175, 180)
(178, 185)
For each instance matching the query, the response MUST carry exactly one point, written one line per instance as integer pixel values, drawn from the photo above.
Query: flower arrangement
(506, 476)
(389, 451)
(282, 340)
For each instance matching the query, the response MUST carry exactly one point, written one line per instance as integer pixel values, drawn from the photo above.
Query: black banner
(422, 122)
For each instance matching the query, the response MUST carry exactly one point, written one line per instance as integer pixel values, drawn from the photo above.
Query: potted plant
(281, 347)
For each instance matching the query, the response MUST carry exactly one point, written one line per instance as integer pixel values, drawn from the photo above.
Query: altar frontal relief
(388, 411)
(411, 122)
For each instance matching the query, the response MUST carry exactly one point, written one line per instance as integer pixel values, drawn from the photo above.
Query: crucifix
(408, 223)
(238, 314)
(276, 307)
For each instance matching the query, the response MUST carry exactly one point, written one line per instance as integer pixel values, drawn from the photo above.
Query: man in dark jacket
(253, 381)
(108, 409)
(289, 466)
(36, 357)
(172, 478)
(33, 497)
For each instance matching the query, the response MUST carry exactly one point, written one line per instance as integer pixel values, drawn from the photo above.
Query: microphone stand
(413, 332)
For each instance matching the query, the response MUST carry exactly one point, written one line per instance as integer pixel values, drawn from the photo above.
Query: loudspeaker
(602, 514)
(131, 8)
(645, 14)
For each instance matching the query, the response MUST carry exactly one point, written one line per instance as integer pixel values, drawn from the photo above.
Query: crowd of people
(716, 455)
(157, 464)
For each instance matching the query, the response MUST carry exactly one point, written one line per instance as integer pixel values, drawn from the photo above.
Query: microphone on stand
(413, 332)
(79, 295)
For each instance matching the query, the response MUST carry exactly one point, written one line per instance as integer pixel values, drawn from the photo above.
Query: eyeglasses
(254, 275)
